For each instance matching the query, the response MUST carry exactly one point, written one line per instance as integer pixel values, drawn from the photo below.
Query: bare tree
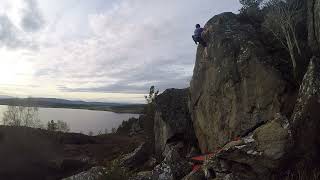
(251, 9)
(25, 114)
(282, 21)
(113, 130)
(11, 116)
(62, 126)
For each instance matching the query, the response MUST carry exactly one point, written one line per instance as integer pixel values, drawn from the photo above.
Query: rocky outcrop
(145, 175)
(314, 25)
(195, 175)
(255, 156)
(137, 157)
(172, 122)
(305, 119)
(235, 86)
(94, 173)
(172, 167)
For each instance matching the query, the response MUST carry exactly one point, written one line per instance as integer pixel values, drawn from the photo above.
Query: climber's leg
(195, 39)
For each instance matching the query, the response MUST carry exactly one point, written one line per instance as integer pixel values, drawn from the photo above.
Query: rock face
(305, 119)
(254, 156)
(314, 25)
(172, 120)
(234, 87)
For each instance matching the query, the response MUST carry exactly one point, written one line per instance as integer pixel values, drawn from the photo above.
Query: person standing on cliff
(197, 38)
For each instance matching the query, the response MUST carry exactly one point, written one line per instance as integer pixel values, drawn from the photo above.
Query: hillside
(33, 154)
(63, 103)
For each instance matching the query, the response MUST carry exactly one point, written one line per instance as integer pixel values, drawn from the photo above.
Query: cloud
(32, 19)
(163, 74)
(130, 50)
(14, 36)
(8, 33)
(133, 45)
(124, 48)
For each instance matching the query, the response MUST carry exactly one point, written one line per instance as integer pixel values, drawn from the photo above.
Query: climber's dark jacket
(197, 36)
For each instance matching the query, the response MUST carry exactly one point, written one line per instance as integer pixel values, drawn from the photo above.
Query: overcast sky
(99, 50)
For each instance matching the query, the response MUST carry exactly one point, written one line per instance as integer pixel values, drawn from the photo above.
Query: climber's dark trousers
(199, 40)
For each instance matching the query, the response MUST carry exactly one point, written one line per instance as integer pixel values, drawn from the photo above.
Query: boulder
(173, 167)
(305, 119)
(255, 156)
(314, 25)
(145, 175)
(236, 85)
(195, 175)
(150, 163)
(138, 157)
(95, 173)
(172, 120)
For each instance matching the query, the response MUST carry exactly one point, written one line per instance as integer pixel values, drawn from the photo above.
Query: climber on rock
(197, 38)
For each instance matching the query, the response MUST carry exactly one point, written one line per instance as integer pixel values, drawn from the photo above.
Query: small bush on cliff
(251, 10)
(149, 110)
(116, 172)
(152, 95)
(150, 107)
(250, 4)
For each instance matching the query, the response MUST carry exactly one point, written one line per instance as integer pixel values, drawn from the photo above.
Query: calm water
(81, 120)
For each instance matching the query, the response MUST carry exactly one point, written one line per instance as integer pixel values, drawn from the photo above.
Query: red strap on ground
(202, 157)
(196, 168)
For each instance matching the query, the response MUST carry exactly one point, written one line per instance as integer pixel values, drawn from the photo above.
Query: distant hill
(5, 97)
(63, 103)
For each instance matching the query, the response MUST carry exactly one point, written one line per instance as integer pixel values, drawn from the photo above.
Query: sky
(99, 50)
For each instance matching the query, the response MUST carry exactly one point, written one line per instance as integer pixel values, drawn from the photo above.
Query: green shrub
(116, 172)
